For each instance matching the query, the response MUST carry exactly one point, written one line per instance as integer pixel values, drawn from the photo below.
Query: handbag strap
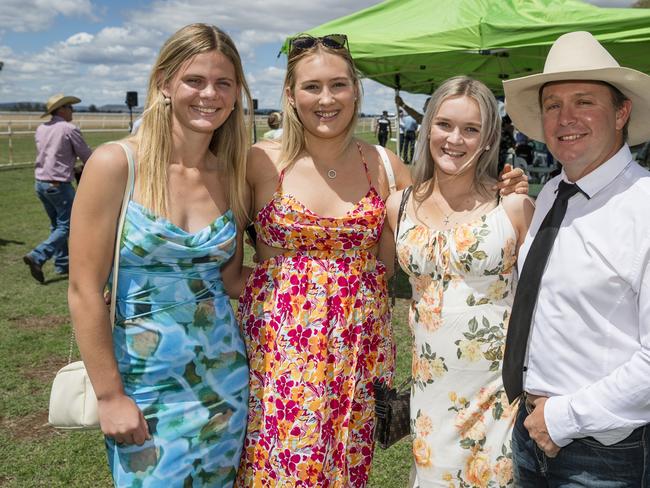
(128, 189)
(402, 206)
(388, 167)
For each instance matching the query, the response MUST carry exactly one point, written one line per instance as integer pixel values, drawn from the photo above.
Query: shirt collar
(599, 178)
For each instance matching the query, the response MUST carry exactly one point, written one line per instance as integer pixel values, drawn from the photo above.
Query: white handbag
(73, 404)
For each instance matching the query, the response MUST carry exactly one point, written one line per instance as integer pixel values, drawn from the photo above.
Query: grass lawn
(34, 341)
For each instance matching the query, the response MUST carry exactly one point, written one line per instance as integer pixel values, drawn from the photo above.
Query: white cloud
(39, 15)
(266, 86)
(28, 67)
(79, 39)
(100, 70)
(5, 51)
(65, 7)
(273, 73)
(262, 16)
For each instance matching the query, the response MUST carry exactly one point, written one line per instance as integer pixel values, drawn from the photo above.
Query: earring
(487, 148)
(167, 101)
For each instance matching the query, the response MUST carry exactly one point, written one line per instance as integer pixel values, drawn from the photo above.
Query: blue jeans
(409, 146)
(57, 200)
(584, 463)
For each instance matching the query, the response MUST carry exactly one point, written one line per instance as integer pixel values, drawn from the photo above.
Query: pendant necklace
(445, 217)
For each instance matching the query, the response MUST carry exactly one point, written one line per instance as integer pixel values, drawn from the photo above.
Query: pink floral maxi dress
(316, 323)
(462, 297)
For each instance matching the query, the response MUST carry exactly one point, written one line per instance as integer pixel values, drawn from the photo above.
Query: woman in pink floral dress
(458, 243)
(315, 313)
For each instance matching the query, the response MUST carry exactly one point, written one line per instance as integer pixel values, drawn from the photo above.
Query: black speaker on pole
(131, 99)
(254, 126)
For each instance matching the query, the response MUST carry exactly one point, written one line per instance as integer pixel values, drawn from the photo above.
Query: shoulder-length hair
(229, 142)
(486, 162)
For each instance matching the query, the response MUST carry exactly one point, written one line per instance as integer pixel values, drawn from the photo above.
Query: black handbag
(393, 405)
(393, 413)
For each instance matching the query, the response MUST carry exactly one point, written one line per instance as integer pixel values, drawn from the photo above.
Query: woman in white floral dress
(458, 244)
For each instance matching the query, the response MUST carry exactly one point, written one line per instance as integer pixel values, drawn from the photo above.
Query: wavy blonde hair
(293, 138)
(229, 142)
(485, 165)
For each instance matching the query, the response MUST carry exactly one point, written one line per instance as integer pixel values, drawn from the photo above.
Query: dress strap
(388, 167)
(365, 165)
(280, 180)
(401, 214)
(130, 185)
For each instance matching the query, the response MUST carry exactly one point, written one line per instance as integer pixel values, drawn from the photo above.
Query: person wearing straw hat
(58, 145)
(578, 346)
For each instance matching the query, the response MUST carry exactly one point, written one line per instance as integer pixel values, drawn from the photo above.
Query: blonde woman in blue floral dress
(172, 378)
(458, 244)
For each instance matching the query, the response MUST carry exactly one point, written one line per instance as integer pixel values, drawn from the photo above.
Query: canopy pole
(397, 131)
(397, 117)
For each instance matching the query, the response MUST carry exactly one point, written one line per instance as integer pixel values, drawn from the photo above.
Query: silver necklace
(445, 219)
(331, 174)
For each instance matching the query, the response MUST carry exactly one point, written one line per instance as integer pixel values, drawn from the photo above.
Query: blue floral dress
(180, 354)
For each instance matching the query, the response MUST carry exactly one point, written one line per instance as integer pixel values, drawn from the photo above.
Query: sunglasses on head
(305, 41)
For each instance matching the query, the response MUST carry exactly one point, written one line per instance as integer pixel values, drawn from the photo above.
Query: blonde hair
(293, 139)
(229, 142)
(486, 163)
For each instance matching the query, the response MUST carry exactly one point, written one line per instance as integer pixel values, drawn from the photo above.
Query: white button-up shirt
(589, 345)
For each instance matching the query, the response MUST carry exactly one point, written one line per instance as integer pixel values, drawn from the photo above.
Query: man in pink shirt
(58, 145)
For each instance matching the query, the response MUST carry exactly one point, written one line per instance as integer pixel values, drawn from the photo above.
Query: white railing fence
(15, 125)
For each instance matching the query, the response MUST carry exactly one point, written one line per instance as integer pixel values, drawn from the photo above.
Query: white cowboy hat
(578, 56)
(58, 100)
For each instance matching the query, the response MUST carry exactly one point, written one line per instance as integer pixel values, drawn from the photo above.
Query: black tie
(528, 289)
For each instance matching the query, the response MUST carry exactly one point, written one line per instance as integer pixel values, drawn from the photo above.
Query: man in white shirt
(583, 301)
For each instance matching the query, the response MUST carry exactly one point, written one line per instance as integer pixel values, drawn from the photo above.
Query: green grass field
(34, 341)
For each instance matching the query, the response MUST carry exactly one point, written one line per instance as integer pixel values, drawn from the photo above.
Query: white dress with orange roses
(462, 296)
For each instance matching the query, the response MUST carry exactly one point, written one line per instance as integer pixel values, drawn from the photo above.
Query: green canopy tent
(413, 45)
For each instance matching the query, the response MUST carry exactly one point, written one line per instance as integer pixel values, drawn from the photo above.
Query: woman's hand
(122, 420)
(512, 180)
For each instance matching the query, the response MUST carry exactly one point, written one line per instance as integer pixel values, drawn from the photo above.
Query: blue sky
(99, 49)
